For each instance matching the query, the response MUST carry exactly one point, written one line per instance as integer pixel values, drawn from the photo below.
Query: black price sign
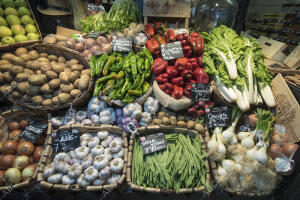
(33, 131)
(200, 92)
(122, 44)
(218, 117)
(93, 35)
(153, 143)
(64, 141)
(171, 51)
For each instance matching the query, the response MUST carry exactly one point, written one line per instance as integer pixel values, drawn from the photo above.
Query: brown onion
(14, 135)
(7, 161)
(2, 179)
(38, 153)
(25, 148)
(88, 43)
(23, 123)
(252, 120)
(30, 160)
(275, 151)
(10, 146)
(279, 138)
(289, 149)
(21, 162)
(79, 46)
(13, 126)
(28, 171)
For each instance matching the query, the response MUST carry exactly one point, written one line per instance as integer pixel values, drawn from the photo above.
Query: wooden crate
(179, 10)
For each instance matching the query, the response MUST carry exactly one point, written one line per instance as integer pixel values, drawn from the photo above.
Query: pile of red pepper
(199, 109)
(175, 77)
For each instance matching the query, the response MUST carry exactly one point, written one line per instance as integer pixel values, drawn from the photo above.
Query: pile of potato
(41, 79)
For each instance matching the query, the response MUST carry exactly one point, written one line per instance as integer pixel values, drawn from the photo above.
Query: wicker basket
(69, 54)
(166, 129)
(48, 157)
(4, 136)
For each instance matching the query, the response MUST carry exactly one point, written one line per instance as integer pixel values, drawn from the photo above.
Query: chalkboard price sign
(33, 131)
(64, 141)
(153, 143)
(122, 44)
(200, 92)
(171, 51)
(218, 117)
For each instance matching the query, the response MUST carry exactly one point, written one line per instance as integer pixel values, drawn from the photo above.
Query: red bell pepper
(200, 75)
(199, 60)
(194, 34)
(169, 36)
(186, 48)
(177, 92)
(152, 45)
(172, 71)
(197, 44)
(167, 88)
(181, 63)
(178, 81)
(187, 74)
(188, 91)
(159, 66)
(179, 37)
(160, 39)
(185, 36)
(163, 87)
(162, 78)
(149, 30)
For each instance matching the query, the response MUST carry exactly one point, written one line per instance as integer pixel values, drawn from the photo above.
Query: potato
(61, 60)
(60, 38)
(8, 56)
(51, 75)
(20, 51)
(23, 87)
(2, 62)
(64, 77)
(173, 120)
(7, 77)
(68, 70)
(16, 95)
(45, 89)
(25, 57)
(37, 100)
(157, 121)
(33, 90)
(55, 100)
(74, 75)
(166, 121)
(37, 79)
(14, 84)
(77, 67)
(161, 115)
(180, 118)
(54, 83)
(76, 83)
(1, 78)
(190, 124)
(63, 65)
(52, 57)
(35, 65)
(22, 77)
(84, 82)
(47, 102)
(43, 59)
(5, 67)
(66, 88)
(199, 127)
(181, 124)
(6, 89)
(61, 44)
(38, 71)
(57, 68)
(33, 54)
(27, 98)
(72, 62)
(17, 69)
(86, 71)
(44, 55)
(53, 63)
(28, 71)
(75, 92)
(49, 39)
(18, 61)
(45, 67)
(64, 97)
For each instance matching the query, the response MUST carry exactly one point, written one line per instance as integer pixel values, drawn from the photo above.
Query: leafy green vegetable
(265, 123)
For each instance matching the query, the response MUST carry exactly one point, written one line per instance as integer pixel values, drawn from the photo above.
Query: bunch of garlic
(98, 161)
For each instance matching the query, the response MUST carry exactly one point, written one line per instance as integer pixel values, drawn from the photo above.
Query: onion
(27, 173)
(23, 123)
(79, 46)
(12, 175)
(37, 153)
(22, 140)
(13, 126)
(96, 50)
(275, 151)
(279, 138)
(30, 160)
(252, 120)
(107, 48)
(10, 146)
(25, 148)
(101, 40)
(21, 162)
(87, 54)
(2, 179)
(289, 149)
(40, 140)
(7, 161)
(14, 135)
(88, 43)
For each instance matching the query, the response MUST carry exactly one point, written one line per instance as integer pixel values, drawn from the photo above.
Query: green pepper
(117, 90)
(106, 78)
(100, 63)
(97, 89)
(147, 68)
(133, 65)
(140, 65)
(145, 87)
(126, 86)
(128, 98)
(131, 53)
(121, 74)
(126, 64)
(116, 68)
(137, 92)
(108, 64)
(93, 62)
(108, 87)
(148, 55)
(136, 82)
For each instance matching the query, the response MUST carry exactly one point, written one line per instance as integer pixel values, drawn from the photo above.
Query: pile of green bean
(181, 165)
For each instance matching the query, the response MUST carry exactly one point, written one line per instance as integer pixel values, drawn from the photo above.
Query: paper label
(122, 44)
(282, 165)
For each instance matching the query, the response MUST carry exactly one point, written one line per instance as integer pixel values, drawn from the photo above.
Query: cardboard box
(272, 49)
(287, 109)
(65, 31)
(293, 59)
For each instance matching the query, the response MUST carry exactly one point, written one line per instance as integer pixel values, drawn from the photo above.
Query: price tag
(200, 92)
(64, 141)
(280, 129)
(218, 117)
(153, 143)
(122, 44)
(93, 35)
(33, 131)
(171, 51)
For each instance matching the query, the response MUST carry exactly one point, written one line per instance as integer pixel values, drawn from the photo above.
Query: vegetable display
(122, 77)
(98, 161)
(237, 67)
(181, 165)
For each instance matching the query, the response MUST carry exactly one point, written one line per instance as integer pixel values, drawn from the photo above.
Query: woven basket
(48, 157)
(68, 54)
(214, 170)
(218, 96)
(4, 136)
(166, 129)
